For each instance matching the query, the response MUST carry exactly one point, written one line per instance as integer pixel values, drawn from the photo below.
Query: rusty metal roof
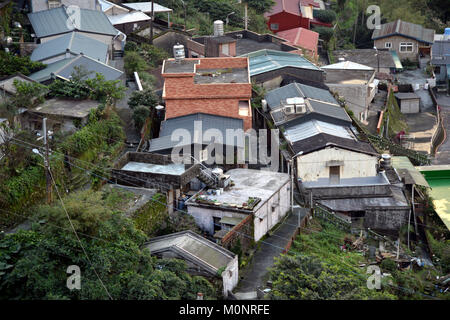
(406, 29)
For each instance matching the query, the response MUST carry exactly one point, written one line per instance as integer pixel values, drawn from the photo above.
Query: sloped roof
(301, 37)
(268, 60)
(64, 69)
(440, 53)
(135, 16)
(57, 21)
(291, 6)
(208, 122)
(146, 7)
(7, 84)
(275, 97)
(407, 170)
(66, 107)
(312, 128)
(347, 65)
(406, 29)
(367, 57)
(324, 140)
(193, 247)
(75, 43)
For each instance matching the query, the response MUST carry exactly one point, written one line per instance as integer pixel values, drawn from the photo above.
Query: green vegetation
(327, 16)
(33, 263)
(396, 118)
(96, 88)
(317, 268)
(11, 64)
(152, 216)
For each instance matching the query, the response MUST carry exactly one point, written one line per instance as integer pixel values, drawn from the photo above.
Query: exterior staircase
(210, 179)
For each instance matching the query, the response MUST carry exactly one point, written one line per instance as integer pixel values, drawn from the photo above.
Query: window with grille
(388, 45)
(406, 47)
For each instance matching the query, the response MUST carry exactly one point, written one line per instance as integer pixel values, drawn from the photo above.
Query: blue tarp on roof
(268, 60)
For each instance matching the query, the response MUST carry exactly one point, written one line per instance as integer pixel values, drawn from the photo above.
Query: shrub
(140, 113)
(143, 98)
(324, 33)
(133, 62)
(388, 265)
(327, 16)
(11, 64)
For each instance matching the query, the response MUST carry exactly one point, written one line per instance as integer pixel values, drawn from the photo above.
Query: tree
(261, 6)
(143, 98)
(33, 263)
(133, 62)
(140, 114)
(327, 16)
(11, 64)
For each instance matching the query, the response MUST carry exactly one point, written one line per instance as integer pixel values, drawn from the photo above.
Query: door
(334, 174)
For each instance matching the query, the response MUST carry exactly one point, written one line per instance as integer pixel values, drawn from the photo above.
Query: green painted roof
(263, 61)
(397, 62)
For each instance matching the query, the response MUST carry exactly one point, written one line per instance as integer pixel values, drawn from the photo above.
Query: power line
(76, 235)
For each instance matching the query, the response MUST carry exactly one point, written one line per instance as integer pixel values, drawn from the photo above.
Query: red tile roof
(301, 37)
(292, 6)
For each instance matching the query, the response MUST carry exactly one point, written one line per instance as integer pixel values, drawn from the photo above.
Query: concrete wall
(230, 276)
(395, 41)
(409, 105)
(304, 76)
(204, 217)
(312, 166)
(385, 219)
(40, 5)
(356, 96)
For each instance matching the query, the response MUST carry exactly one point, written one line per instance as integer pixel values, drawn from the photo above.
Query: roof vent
(218, 28)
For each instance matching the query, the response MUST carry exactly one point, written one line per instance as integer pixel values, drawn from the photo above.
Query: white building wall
(204, 216)
(40, 5)
(230, 276)
(312, 166)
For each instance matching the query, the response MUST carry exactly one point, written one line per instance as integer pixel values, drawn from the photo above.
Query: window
(54, 4)
(388, 45)
(243, 108)
(406, 47)
(274, 26)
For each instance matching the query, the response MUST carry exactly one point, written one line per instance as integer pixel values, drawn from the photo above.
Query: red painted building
(290, 14)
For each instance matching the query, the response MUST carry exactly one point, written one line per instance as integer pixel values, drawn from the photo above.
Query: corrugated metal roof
(147, 7)
(301, 37)
(440, 53)
(56, 21)
(406, 29)
(276, 96)
(268, 60)
(131, 17)
(314, 127)
(66, 67)
(331, 110)
(397, 62)
(75, 43)
(191, 123)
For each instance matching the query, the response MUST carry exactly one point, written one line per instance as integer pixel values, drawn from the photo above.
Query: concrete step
(246, 295)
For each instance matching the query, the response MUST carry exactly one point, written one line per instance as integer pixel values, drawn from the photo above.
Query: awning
(230, 221)
(397, 62)
(407, 170)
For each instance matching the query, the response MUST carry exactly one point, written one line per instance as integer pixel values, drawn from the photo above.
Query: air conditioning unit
(289, 109)
(300, 108)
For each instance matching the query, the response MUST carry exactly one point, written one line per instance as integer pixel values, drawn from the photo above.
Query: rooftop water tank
(218, 28)
(178, 52)
(447, 34)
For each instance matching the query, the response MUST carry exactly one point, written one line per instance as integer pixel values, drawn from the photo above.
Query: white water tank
(178, 52)
(217, 171)
(218, 28)
(264, 105)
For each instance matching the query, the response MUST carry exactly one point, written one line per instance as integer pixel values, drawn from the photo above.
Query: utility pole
(245, 15)
(47, 163)
(151, 23)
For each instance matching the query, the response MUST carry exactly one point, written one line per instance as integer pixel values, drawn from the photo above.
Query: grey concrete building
(261, 193)
(409, 102)
(203, 257)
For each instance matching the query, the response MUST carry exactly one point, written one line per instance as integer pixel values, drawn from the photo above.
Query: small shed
(409, 102)
(203, 257)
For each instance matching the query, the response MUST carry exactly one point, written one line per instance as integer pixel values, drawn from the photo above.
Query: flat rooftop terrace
(168, 169)
(184, 66)
(248, 183)
(224, 75)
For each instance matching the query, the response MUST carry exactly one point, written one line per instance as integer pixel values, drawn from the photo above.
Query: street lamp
(227, 20)
(378, 58)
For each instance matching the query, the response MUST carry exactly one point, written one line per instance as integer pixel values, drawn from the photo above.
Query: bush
(131, 46)
(143, 98)
(324, 33)
(133, 62)
(327, 16)
(11, 64)
(388, 265)
(140, 113)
